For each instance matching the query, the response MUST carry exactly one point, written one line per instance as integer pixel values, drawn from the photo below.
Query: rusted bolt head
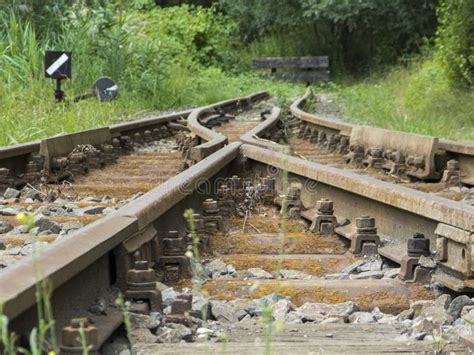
(172, 235)
(76, 323)
(294, 192)
(377, 153)
(418, 245)
(453, 165)
(365, 222)
(419, 161)
(210, 205)
(398, 157)
(140, 265)
(324, 205)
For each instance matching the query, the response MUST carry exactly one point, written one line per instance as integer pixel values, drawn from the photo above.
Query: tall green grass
(419, 98)
(162, 59)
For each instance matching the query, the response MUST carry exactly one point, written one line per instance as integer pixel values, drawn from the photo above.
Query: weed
(124, 308)
(417, 98)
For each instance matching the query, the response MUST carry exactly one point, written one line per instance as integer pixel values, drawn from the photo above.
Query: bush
(455, 42)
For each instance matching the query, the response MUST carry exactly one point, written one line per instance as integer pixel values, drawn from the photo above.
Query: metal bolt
(453, 165)
(365, 222)
(325, 205)
(418, 245)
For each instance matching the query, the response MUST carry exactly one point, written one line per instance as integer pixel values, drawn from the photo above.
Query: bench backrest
(321, 62)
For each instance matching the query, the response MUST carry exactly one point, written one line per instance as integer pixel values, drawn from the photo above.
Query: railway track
(272, 239)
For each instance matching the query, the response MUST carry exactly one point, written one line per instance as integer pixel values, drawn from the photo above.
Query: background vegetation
(399, 64)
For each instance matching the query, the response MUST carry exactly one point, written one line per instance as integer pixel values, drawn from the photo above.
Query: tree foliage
(455, 42)
(357, 33)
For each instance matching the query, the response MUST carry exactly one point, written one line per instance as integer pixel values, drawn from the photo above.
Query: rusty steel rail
(28, 159)
(104, 252)
(211, 141)
(125, 248)
(68, 257)
(429, 154)
(253, 136)
(400, 212)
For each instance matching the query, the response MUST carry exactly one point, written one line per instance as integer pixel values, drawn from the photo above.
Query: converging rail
(318, 237)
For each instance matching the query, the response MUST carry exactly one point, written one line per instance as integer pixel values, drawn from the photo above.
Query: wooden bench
(304, 69)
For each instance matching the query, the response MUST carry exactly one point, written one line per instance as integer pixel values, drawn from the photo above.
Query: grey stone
(227, 312)
(243, 274)
(169, 334)
(458, 304)
(373, 264)
(91, 199)
(5, 227)
(108, 210)
(93, 210)
(44, 210)
(12, 251)
(168, 295)
(362, 318)
(294, 275)
(11, 193)
(341, 276)
(71, 225)
(99, 307)
(424, 325)
(281, 309)
(216, 266)
(258, 273)
(391, 273)
(419, 336)
(255, 307)
(204, 332)
(406, 314)
(368, 275)
(427, 262)
(231, 269)
(200, 306)
(143, 335)
(388, 319)
(9, 212)
(116, 345)
(28, 192)
(466, 310)
(45, 224)
(332, 320)
(468, 315)
(161, 286)
(33, 247)
(418, 306)
(21, 229)
(144, 321)
(377, 313)
(444, 301)
(353, 267)
(294, 318)
(437, 315)
(319, 311)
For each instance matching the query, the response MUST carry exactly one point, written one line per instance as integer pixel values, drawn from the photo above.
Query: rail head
(296, 109)
(69, 256)
(432, 207)
(253, 136)
(215, 140)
